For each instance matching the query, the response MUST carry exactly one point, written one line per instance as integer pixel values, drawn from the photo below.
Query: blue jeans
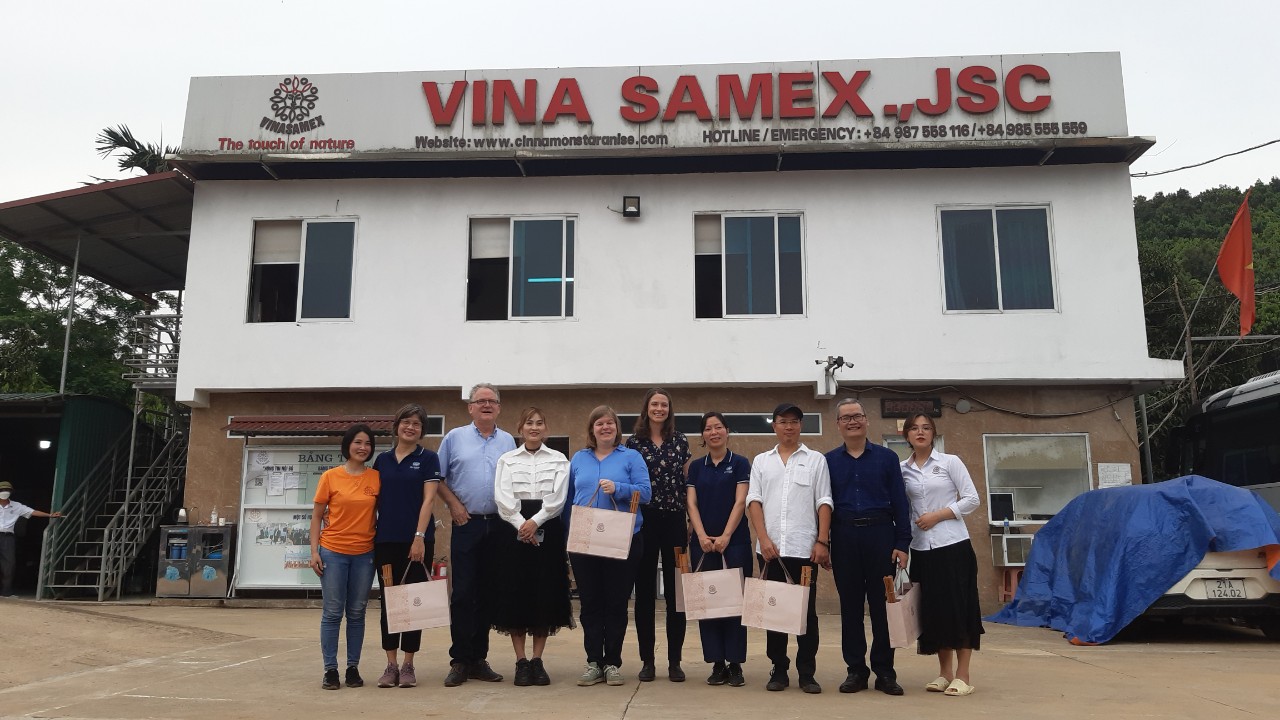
(345, 588)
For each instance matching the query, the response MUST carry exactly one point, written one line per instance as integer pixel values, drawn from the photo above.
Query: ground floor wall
(1101, 418)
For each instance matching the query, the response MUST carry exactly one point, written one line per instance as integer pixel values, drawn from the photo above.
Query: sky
(1198, 77)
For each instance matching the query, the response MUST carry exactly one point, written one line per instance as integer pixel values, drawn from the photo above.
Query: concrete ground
(167, 661)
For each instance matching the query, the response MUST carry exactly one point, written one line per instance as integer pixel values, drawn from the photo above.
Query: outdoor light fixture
(45, 444)
(630, 206)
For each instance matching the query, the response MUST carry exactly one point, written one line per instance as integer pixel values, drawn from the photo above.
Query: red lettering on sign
(792, 90)
(732, 99)
(1013, 88)
(979, 97)
(687, 97)
(504, 95)
(644, 107)
(929, 107)
(846, 94)
(479, 101)
(566, 99)
(443, 113)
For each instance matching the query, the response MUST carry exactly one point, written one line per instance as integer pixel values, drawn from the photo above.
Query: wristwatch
(421, 535)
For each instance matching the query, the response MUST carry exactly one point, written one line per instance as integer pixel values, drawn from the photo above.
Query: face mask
(4, 494)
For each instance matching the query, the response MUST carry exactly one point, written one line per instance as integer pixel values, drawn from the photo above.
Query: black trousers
(663, 531)
(396, 554)
(860, 558)
(469, 628)
(8, 562)
(806, 644)
(604, 587)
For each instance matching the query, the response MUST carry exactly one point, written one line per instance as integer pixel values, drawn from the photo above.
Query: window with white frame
(520, 268)
(748, 265)
(302, 270)
(1035, 475)
(997, 259)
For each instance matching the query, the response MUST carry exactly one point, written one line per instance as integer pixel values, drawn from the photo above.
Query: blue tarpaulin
(1111, 553)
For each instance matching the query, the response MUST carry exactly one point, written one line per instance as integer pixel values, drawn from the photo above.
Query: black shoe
(480, 670)
(854, 683)
(524, 673)
(457, 674)
(888, 686)
(674, 673)
(719, 675)
(778, 680)
(538, 672)
(353, 677)
(809, 685)
(330, 681)
(647, 673)
(734, 675)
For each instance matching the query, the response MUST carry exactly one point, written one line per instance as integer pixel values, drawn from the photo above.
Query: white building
(959, 229)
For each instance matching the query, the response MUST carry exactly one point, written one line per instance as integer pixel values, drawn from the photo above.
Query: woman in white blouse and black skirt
(942, 558)
(532, 593)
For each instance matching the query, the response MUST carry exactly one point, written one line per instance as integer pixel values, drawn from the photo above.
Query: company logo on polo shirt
(937, 470)
(292, 102)
(415, 465)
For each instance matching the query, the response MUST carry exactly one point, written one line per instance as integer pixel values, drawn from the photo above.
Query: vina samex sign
(826, 105)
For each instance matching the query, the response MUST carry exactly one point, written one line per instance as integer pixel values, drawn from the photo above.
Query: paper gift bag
(682, 568)
(416, 606)
(902, 605)
(778, 606)
(600, 532)
(710, 594)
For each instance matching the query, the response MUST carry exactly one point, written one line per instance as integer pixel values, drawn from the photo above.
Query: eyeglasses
(846, 419)
(485, 402)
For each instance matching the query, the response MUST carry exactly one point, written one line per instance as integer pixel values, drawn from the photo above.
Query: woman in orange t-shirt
(342, 554)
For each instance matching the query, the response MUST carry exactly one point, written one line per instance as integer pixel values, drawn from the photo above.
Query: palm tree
(149, 157)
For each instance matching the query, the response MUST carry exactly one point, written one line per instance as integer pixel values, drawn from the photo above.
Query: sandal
(939, 685)
(959, 687)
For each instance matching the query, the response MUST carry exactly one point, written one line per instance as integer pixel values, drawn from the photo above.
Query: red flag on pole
(1235, 264)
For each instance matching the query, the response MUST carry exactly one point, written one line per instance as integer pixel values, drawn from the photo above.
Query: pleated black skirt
(530, 589)
(950, 615)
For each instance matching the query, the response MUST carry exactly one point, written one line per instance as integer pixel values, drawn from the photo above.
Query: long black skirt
(950, 615)
(530, 588)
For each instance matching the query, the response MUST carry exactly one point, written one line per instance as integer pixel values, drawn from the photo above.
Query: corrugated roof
(306, 425)
(28, 397)
(133, 233)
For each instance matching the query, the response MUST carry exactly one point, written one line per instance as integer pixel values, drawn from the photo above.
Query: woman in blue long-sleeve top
(605, 475)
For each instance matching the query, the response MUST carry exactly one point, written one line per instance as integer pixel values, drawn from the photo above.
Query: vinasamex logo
(293, 102)
(600, 528)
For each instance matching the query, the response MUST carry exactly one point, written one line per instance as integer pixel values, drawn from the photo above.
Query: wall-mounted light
(630, 206)
(45, 444)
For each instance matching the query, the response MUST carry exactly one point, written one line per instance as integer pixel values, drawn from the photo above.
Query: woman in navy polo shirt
(406, 536)
(605, 474)
(717, 501)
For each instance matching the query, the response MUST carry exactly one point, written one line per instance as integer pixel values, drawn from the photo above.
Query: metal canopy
(407, 164)
(133, 233)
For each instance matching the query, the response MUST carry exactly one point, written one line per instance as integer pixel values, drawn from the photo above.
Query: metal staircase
(109, 519)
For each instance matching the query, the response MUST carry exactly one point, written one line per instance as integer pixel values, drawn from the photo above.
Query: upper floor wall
(915, 276)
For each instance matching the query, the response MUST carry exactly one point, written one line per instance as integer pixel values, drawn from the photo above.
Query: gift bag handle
(410, 565)
(635, 499)
(785, 572)
(723, 562)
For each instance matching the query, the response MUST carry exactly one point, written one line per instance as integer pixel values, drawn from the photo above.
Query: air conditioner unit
(1010, 550)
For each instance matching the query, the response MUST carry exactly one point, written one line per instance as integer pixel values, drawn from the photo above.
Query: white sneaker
(613, 676)
(591, 675)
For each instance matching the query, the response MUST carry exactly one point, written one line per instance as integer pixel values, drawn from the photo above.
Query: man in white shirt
(10, 512)
(789, 505)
